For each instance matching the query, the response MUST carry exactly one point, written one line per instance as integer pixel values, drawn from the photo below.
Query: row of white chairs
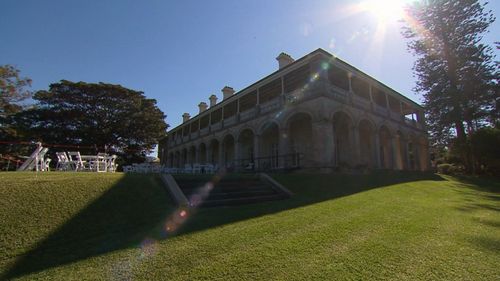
(74, 161)
(155, 168)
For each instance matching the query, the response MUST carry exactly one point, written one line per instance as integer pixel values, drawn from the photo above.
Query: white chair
(62, 161)
(46, 165)
(196, 168)
(110, 163)
(209, 169)
(188, 169)
(75, 161)
(99, 164)
(31, 162)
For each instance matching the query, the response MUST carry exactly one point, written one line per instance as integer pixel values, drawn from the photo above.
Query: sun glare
(384, 10)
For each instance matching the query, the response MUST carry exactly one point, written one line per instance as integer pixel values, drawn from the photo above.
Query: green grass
(397, 226)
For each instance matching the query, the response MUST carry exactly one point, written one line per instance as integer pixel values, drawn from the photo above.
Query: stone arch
(340, 111)
(423, 153)
(177, 161)
(245, 128)
(267, 124)
(290, 115)
(399, 150)
(184, 157)
(367, 155)
(269, 146)
(214, 152)
(246, 146)
(343, 139)
(192, 155)
(228, 150)
(385, 148)
(299, 133)
(170, 162)
(412, 150)
(202, 150)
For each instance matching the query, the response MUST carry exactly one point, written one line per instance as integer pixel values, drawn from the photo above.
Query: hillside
(336, 227)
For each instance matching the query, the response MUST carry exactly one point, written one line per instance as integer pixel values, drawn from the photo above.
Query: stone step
(243, 200)
(230, 191)
(241, 194)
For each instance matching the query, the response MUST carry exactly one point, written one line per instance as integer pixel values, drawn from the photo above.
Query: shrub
(450, 169)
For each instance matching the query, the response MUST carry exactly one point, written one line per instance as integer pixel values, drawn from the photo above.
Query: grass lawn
(399, 226)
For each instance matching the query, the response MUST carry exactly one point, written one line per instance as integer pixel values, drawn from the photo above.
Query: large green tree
(454, 69)
(95, 115)
(13, 90)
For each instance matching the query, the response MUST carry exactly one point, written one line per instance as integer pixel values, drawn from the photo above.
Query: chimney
(185, 117)
(284, 59)
(227, 92)
(213, 100)
(202, 106)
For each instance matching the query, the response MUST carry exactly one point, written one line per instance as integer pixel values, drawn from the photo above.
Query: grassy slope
(335, 228)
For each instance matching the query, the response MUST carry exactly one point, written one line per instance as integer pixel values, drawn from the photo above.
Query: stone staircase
(229, 190)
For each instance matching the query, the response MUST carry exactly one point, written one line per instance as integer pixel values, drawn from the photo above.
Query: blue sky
(181, 52)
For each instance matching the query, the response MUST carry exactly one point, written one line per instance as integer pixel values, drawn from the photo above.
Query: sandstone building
(317, 112)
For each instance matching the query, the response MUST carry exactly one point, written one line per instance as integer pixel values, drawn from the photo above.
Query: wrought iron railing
(282, 162)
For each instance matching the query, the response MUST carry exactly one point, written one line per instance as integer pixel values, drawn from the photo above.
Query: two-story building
(316, 112)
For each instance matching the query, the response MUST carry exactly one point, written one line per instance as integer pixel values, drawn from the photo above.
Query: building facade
(317, 112)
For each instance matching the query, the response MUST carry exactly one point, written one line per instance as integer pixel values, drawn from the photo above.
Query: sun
(384, 10)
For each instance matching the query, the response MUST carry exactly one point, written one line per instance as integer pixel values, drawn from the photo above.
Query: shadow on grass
(129, 211)
(308, 189)
(120, 218)
(480, 193)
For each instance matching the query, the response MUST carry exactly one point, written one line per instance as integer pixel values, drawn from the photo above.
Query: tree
(485, 143)
(12, 92)
(95, 115)
(454, 69)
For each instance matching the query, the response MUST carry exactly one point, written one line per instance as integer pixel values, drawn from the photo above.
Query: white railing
(245, 115)
(361, 102)
(270, 105)
(379, 109)
(230, 121)
(296, 95)
(216, 126)
(204, 131)
(339, 93)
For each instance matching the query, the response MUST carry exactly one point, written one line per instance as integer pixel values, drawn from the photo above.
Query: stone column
(197, 154)
(377, 150)
(237, 157)
(417, 157)
(221, 154)
(408, 160)
(283, 147)
(256, 151)
(357, 146)
(396, 153)
(323, 144)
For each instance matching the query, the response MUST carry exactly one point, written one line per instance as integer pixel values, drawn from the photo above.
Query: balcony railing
(204, 131)
(230, 121)
(216, 126)
(339, 93)
(379, 109)
(270, 105)
(361, 102)
(248, 114)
